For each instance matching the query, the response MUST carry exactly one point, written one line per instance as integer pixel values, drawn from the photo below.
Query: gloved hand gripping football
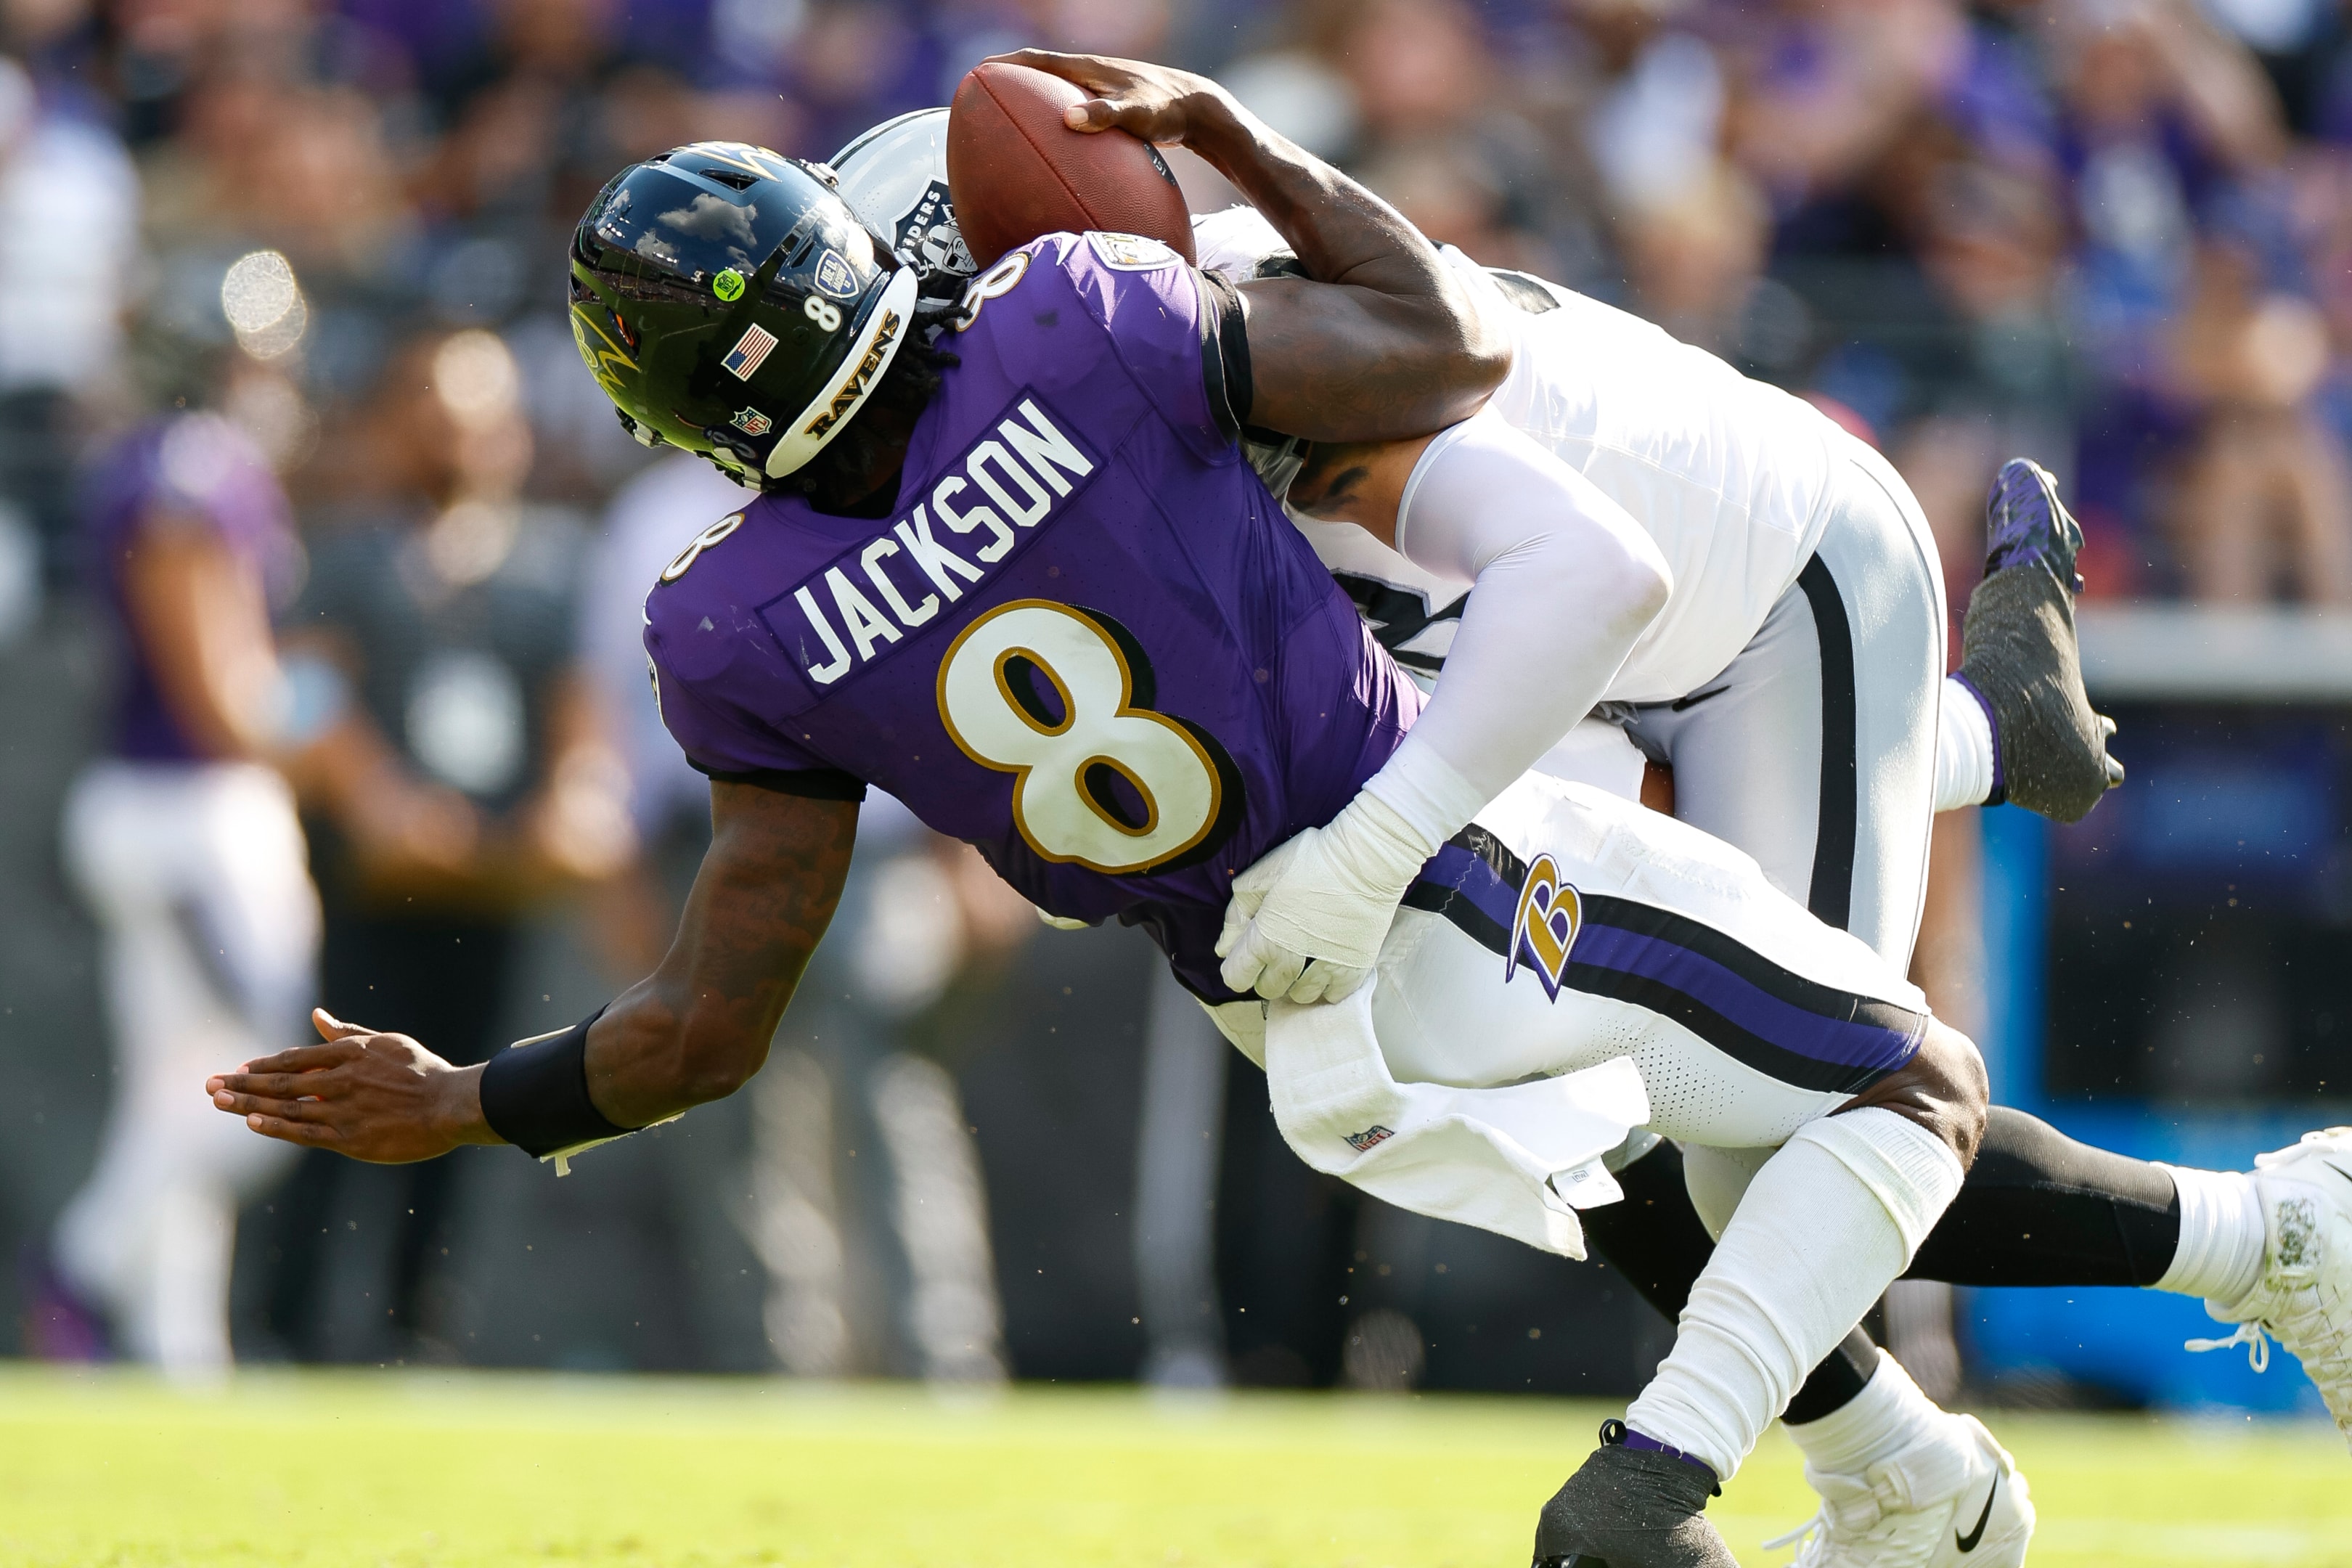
(1307, 922)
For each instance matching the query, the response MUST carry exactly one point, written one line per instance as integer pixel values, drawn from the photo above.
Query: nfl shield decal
(744, 359)
(1543, 929)
(834, 276)
(752, 422)
(1131, 252)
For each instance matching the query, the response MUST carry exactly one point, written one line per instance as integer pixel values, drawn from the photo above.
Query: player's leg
(1814, 750)
(196, 879)
(1748, 1021)
(1828, 1219)
(2270, 1248)
(104, 1245)
(1818, 750)
(2020, 662)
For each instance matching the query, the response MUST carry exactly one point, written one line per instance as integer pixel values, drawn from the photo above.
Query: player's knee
(1943, 1088)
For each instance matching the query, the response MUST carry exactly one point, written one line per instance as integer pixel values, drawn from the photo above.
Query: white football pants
(198, 879)
(1567, 927)
(1814, 750)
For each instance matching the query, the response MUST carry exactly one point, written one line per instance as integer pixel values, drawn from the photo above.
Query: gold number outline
(1225, 789)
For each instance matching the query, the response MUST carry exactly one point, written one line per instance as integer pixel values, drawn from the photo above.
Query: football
(1017, 172)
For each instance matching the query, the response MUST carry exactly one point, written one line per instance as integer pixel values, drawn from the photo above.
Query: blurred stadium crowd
(281, 319)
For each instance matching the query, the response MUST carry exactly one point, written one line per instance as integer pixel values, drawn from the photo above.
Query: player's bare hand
(375, 1096)
(1162, 106)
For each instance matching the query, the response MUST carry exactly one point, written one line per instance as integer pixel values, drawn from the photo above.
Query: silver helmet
(895, 176)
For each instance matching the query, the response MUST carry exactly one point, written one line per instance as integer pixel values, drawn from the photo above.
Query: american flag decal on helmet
(744, 360)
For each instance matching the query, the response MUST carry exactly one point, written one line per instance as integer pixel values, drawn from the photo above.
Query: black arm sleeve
(1224, 352)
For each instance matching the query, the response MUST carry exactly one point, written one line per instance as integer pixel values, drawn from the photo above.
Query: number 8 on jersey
(1060, 697)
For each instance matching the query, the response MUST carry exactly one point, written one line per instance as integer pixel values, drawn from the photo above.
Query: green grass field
(424, 1468)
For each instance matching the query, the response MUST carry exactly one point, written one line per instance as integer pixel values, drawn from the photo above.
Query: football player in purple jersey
(1015, 572)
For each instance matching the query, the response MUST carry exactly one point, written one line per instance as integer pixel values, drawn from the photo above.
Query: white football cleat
(1952, 1499)
(2304, 1298)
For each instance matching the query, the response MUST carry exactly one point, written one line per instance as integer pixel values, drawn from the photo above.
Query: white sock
(1964, 748)
(1826, 1225)
(1887, 1416)
(2219, 1254)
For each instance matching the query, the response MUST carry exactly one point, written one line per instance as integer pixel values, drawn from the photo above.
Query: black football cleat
(2018, 651)
(1631, 1508)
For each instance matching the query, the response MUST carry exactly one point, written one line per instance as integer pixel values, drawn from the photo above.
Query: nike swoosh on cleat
(1968, 1543)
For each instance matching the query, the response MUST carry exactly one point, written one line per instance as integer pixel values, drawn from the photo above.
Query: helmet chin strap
(733, 462)
(884, 333)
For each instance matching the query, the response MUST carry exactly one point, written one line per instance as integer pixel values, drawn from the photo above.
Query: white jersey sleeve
(1729, 476)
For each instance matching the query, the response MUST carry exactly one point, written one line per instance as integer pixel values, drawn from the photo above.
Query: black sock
(1844, 1372)
(2039, 1208)
(1653, 1237)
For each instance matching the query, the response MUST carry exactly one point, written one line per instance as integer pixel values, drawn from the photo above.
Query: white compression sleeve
(1963, 748)
(1563, 583)
(1827, 1224)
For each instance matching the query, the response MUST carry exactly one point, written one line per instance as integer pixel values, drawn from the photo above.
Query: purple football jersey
(1085, 640)
(194, 471)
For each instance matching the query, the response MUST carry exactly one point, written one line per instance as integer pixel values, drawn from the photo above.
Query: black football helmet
(731, 303)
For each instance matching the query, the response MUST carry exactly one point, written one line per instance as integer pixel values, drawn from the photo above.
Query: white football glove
(1307, 922)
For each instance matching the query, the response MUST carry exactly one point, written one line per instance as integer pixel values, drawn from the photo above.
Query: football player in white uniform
(1794, 683)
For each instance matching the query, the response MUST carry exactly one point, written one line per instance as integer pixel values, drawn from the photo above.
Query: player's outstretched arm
(699, 1028)
(695, 1030)
(1385, 341)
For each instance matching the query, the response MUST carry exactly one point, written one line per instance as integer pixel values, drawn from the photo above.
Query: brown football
(1017, 172)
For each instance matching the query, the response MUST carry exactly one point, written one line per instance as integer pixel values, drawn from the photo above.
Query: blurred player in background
(183, 842)
(463, 773)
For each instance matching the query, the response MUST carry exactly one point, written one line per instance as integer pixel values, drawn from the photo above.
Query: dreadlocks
(835, 479)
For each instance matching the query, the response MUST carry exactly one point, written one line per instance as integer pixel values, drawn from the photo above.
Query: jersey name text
(981, 511)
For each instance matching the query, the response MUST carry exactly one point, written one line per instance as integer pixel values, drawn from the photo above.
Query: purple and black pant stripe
(1770, 1019)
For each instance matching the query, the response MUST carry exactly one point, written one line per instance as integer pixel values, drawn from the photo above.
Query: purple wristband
(1616, 1433)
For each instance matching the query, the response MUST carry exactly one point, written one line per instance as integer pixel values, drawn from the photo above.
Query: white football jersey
(1731, 476)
